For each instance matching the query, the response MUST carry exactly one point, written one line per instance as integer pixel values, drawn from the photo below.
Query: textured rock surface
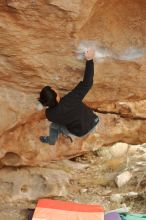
(38, 43)
(31, 184)
(22, 146)
(37, 47)
(88, 179)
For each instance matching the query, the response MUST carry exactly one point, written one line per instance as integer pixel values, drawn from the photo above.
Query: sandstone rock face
(38, 47)
(39, 40)
(30, 184)
(28, 150)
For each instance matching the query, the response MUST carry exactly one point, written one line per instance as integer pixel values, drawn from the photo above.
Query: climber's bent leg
(53, 134)
(66, 132)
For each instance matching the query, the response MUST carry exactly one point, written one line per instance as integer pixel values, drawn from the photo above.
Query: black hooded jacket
(71, 111)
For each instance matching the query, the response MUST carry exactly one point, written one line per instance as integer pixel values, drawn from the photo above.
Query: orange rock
(37, 47)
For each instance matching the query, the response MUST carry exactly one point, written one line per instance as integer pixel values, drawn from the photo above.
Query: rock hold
(123, 178)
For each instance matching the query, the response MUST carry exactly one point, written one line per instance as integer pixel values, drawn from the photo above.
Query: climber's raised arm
(84, 86)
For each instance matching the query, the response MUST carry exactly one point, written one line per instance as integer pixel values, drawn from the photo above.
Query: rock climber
(69, 115)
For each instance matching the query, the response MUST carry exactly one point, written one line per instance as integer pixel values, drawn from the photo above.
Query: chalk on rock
(132, 53)
(100, 52)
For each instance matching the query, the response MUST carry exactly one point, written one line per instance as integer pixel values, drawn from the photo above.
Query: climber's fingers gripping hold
(89, 54)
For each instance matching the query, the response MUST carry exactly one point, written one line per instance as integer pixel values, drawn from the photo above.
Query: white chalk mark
(102, 53)
(132, 54)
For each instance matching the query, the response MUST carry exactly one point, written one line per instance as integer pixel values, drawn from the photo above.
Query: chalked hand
(89, 54)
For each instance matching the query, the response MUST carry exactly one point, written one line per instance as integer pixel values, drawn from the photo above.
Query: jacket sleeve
(84, 86)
